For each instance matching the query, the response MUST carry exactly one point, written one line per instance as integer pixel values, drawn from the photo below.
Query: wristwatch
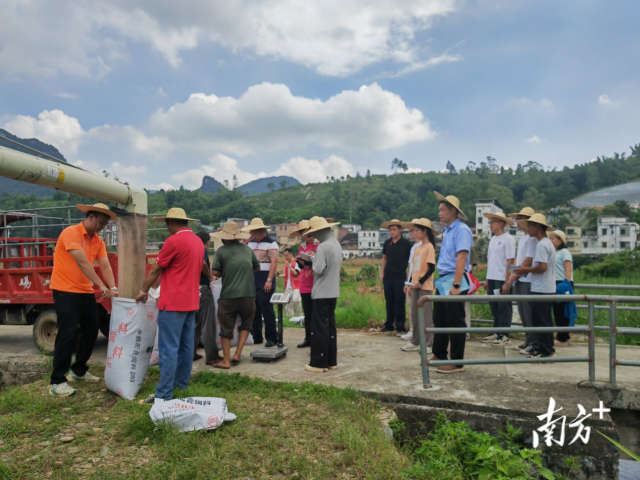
(268, 279)
(456, 285)
(115, 289)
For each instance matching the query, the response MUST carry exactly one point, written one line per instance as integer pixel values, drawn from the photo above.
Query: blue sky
(161, 94)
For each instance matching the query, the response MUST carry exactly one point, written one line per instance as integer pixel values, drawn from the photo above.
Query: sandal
(217, 365)
(215, 360)
(234, 362)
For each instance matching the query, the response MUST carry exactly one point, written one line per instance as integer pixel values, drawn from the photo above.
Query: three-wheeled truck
(26, 263)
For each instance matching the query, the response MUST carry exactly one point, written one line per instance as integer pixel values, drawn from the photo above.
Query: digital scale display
(280, 298)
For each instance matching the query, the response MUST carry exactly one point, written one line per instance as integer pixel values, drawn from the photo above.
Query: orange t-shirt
(422, 257)
(67, 276)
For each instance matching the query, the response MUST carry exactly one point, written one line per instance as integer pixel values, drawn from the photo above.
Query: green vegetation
(282, 430)
(452, 451)
(372, 199)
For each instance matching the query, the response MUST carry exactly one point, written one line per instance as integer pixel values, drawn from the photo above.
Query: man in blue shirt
(453, 260)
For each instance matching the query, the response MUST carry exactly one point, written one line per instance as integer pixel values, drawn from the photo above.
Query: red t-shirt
(306, 275)
(291, 280)
(181, 260)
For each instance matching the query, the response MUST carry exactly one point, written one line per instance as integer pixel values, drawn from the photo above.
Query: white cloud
(606, 101)
(66, 95)
(528, 102)
(534, 139)
(304, 170)
(268, 116)
(430, 63)
(52, 126)
(332, 37)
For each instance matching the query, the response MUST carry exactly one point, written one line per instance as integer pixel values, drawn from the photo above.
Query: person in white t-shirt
(522, 284)
(501, 255)
(412, 312)
(543, 282)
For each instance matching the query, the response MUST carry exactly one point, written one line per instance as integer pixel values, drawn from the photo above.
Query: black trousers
(561, 319)
(449, 315)
(396, 301)
(501, 311)
(541, 317)
(307, 308)
(324, 341)
(264, 310)
(74, 310)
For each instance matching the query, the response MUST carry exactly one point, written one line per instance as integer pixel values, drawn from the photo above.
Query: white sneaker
(410, 347)
(407, 336)
(501, 341)
(490, 338)
(61, 390)
(87, 377)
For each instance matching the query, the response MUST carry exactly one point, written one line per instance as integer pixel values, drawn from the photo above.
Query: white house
(482, 223)
(352, 227)
(369, 242)
(613, 234)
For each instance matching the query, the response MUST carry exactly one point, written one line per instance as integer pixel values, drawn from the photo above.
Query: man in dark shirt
(206, 314)
(395, 258)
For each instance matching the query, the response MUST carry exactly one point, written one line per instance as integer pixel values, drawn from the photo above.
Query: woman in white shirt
(564, 271)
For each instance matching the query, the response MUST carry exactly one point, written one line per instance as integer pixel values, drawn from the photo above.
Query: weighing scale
(272, 353)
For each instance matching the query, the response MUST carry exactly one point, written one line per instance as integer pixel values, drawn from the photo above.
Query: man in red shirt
(179, 263)
(72, 282)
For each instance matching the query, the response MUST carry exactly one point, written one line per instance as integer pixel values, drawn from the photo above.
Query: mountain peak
(260, 185)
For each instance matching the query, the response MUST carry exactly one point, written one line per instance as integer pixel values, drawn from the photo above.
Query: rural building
(369, 242)
(613, 234)
(574, 239)
(282, 231)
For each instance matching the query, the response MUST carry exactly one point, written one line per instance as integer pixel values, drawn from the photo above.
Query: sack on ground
(297, 320)
(193, 413)
(216, 288)
(131, 334)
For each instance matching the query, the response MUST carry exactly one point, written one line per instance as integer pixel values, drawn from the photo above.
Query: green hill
(372, 199)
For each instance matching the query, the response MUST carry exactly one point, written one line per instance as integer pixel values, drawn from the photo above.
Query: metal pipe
(526, 298)
(423, 350)
(479, 320)
(604, 307)
(628, 331)
(63, 176)
(592, 340)
(454, 330)
(612, 344)
(500, 361)
(628, 363)
(606, 287)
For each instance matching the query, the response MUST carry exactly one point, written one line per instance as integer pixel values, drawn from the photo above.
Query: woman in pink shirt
(309, 246)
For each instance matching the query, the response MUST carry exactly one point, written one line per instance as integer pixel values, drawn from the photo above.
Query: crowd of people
(247, 264)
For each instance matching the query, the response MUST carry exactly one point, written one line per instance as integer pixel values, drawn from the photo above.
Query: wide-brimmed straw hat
(175, 214)
(538, 218)
(302, 226)
(525, 212)
(560, 234)
(230, 231)
(98, 207)
(499, 216)
(453, 201)
(319, 223)
(390, 223)
(256, 224)
(424, 222)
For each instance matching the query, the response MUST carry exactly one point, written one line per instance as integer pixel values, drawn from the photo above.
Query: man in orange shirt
(72, 283)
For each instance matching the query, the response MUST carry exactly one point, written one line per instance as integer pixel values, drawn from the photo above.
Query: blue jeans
(175, 346)
(396, 301)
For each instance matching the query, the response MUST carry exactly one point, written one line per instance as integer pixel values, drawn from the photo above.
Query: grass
(282, 430)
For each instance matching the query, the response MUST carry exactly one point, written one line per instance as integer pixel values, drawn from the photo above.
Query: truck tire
(45, 330)
(104, 320)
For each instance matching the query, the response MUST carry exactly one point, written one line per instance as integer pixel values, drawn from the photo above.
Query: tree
(368, 175)
(235, 182)
(398, 164)
(451, 167)
(283, 183)
(271, 186)
(226, 184)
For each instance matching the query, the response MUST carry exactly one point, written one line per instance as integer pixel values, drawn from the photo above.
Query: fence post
(612, 343)
(592, 346)
(423, 348)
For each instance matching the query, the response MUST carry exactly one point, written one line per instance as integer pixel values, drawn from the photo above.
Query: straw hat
(230, 231)
(98, 207)
(425, 222)
(525, 212)
(395, 221)
(175, 214)
(256, 224)
(499, 216)
(453, 201)
(560, 234)
(302, 226)
(540, 219)
(319, 223)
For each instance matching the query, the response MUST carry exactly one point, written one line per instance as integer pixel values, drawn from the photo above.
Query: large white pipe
(62, 176)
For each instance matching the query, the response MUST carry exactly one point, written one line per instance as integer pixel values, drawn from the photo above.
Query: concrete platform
(485, 396)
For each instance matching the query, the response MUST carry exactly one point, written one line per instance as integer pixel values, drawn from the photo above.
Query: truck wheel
(45, 330)
(104, 321)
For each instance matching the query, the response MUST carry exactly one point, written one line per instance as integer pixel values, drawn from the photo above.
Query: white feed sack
(193, 413)
(131, 335)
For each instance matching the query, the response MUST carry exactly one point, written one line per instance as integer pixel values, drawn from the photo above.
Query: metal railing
(590, 329)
